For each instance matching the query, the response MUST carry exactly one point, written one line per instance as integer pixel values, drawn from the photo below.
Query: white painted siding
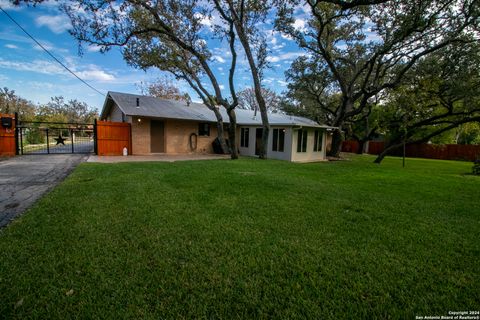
(250, 151)
(309, 155)
(290, 148)
(287, 148)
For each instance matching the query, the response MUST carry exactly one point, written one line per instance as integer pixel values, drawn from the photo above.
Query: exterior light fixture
(139, 120)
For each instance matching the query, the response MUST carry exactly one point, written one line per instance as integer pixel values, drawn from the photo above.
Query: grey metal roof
(171, 109)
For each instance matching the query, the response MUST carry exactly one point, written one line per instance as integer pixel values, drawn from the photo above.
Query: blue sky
(27, 69)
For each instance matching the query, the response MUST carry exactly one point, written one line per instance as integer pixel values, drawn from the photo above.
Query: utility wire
(50, 54)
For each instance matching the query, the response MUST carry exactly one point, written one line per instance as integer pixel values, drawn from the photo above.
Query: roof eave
(107, 99)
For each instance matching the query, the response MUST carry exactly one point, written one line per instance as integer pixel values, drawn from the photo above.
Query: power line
(50, 54)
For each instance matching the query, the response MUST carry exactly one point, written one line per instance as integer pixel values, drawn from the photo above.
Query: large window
(317, 142)
(244, 134)
(278, 140)
(302, 140)
(204, 129)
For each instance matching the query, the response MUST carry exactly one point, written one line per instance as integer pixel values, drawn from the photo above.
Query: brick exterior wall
(178, 137)
(140, 135)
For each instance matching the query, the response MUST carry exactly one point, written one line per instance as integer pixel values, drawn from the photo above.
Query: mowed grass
(248, 239)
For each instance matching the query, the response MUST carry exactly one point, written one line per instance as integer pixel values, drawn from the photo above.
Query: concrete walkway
(157, 157)
(24, 179)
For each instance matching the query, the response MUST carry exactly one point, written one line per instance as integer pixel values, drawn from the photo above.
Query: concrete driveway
(24, 179)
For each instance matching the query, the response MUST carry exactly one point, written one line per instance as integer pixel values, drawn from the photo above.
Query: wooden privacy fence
(112, 137)
(374, 147)
(443, 151)
(424, 150)
(7, 135)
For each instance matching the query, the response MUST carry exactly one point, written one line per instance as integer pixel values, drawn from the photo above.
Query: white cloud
(38, 66)
(92, 73)
(271, 36)
(211, 20)
(300, 25)
(11, 46)
(96, 75)
(372, 36)
(219, 59)
(286, 36)
(201, 43)
(10, 35)
(204, 20)
(285, 56)
(46, 44)
(303, 9)
(222, 87)
(7, 5)
(93, 48)
(57, 24)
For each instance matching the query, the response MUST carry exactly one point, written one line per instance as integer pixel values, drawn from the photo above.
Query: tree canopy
(439, 94)
(395, 67)
(163, 88)
(360, 48)
(56, 110)
(170, 36)
(11, 103)
(248, 100)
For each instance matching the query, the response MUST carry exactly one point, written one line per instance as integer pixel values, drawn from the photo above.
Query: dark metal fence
(55, 138)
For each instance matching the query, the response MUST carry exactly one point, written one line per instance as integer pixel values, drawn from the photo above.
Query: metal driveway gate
(55, 137)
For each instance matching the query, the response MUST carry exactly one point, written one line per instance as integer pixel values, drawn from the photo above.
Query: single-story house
(167, 126)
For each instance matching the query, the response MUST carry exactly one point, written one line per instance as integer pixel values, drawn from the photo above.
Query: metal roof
(171, 109)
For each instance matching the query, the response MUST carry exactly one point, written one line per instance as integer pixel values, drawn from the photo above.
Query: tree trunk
(361, 146)
(366, 146)
(336, 144)
(220, 131)
(232, 134)
(265, 132)
(257, 86)
(385, 151)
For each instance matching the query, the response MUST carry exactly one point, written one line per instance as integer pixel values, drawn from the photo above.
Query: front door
(157, 136)
(258, 141)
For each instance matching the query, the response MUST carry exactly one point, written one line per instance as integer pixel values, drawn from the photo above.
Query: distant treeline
(57, 110)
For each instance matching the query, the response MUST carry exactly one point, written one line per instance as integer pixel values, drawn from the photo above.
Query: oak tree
(364, 47)
(439, 94)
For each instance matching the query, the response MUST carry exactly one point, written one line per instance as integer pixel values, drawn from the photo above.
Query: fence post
(21, 140)
(48, 142)
(71, 139)
(95, 137)
(17, 151)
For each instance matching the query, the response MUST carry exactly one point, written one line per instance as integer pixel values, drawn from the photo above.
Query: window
(244, 134)
(278, 140)
(317, 142)
(302, 140)
(204, 129)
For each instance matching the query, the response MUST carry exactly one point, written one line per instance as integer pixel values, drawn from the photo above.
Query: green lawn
(248, 239)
